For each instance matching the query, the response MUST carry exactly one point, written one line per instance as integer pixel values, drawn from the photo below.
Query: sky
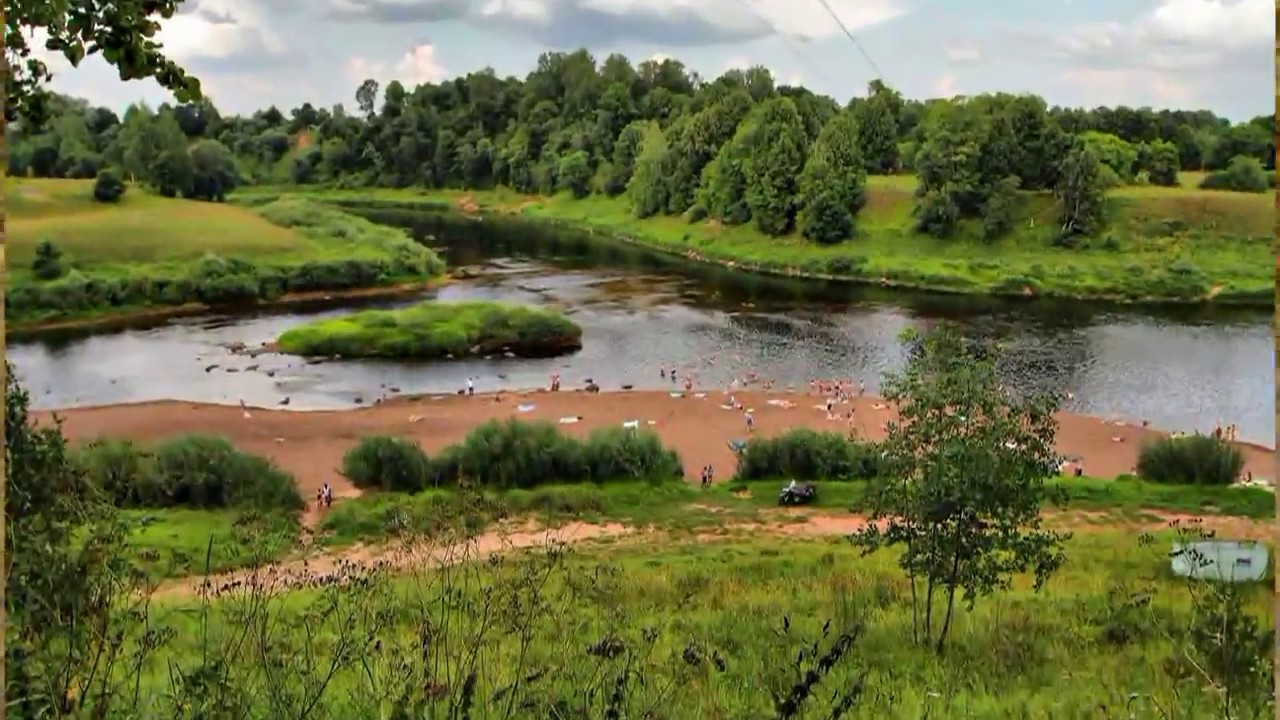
(1192, 54)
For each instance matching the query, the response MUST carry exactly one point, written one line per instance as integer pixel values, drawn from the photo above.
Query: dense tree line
(736, 149)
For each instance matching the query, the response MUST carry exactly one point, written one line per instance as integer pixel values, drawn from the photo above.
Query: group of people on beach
(324, 496)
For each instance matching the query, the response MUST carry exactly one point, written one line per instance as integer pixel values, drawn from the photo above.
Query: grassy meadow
(436, 330)
(180, 542)
(149, 252)
(1163, 244)
(694, 630)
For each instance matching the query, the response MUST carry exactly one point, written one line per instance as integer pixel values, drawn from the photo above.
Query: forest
(737, 149)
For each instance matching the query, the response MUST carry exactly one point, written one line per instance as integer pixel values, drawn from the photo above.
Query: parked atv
(793, 494)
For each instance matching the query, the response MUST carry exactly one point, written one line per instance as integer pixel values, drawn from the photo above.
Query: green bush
(804, 454)
(511, 454)
(190, 471)
(1191, 460)
(1242, 174)
(432, 330)
(386, 463)
(623, 454)
(47, 264)
(108, 187)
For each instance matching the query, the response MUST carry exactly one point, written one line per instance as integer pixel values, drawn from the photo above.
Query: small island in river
(437, 330)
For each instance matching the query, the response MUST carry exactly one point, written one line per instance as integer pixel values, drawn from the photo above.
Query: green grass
(149, 252)
(1161, 244)
(678, 611)
(432, 330)
(376, 516)
(177, 542)
(143, 229)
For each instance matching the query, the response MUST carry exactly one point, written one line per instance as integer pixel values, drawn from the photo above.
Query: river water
(1183, 369)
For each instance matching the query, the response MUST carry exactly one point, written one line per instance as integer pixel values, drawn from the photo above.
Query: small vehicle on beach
(794, 494)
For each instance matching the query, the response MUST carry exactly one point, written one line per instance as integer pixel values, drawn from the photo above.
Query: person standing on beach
(471, 387)
(751, 421)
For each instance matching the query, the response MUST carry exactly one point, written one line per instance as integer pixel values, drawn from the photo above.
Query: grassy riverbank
(435, 330)
(149, 254)
(1161, 244)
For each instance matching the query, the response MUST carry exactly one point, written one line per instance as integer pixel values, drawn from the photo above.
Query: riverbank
(77, 263)
(310, 445)
(1162, 245)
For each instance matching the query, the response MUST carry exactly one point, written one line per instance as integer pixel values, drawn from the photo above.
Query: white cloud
(572, 23)
(1119, 87)
(416, 67)
(218, 30)
(1177, 35)
(964, 53)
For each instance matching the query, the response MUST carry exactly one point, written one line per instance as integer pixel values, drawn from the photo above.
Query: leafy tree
(877, 128)
(722, 191)
(574, 174)
(1080, 195)
(47, 264)
(647, 188)
(970, 464)
(213, 171)
(123, 31)
(832, 186)
(772, 166)
(108, 187)
(1120, 156)
(1159, 160)
(998, 211)
(625, 151)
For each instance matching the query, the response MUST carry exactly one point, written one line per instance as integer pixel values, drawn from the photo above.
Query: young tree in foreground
(969, 464)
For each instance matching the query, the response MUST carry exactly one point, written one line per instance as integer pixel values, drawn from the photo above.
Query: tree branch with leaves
(122, 31)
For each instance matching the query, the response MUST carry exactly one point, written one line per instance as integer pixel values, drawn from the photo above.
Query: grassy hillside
(149, 253)
(1179, 244)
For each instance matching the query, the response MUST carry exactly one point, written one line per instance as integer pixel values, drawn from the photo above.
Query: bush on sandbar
(191, 471)
(804, 454)
(386, 463)
(433, 330)
(511, 454)
(1190, 460)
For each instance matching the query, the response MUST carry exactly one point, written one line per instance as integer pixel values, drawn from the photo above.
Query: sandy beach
(310, 444)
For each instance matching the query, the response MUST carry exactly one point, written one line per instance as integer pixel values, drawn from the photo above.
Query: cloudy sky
(1214, 54)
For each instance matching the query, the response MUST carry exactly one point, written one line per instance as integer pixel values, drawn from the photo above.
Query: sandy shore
(310, 444)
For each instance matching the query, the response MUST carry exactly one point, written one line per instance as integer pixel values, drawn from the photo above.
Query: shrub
(624, 454)
(1193, 460)
(124, 472)
(805, 454)
(386, 463)
(512, 454)
(190, 471)
(109, 187)
(1242, 174)
(47, 264)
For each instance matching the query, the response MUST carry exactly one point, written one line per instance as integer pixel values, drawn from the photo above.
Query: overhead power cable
(788, 41)
(875, 68)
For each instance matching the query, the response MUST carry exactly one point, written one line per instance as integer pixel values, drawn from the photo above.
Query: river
(1179, 368)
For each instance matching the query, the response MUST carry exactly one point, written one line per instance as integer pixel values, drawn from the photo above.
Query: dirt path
(319, 567)
(310, 444)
